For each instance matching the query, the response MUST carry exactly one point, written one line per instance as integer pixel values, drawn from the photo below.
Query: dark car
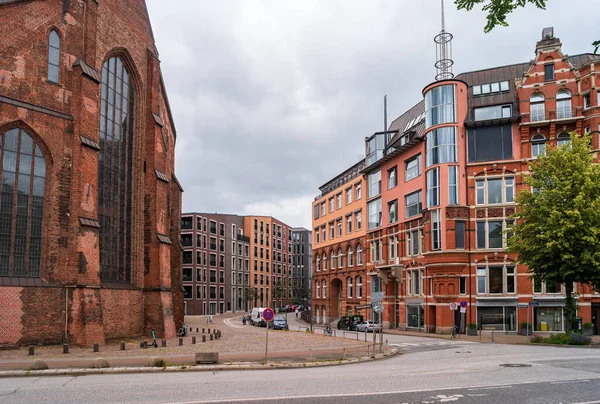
(279, 323)
(349, 322)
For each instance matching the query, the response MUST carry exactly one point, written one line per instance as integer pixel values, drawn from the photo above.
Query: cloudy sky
(272, 98)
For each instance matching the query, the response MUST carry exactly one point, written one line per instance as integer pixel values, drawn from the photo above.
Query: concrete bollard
(164, 343)
(219, 334)
(193, 340)
(204, 338)
(145, 344)
(31, 350)
(180, 341)
(211, 337)
(122, 345)
(96, 347)
(65, 348)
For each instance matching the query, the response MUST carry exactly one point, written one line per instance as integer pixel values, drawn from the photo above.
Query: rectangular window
(213, 276)
(495, 234)
(393, 211)
(453, 185)
(349, 196)
(374, 214)
(339, 201)
(412, 242)
(187, 257)
(493, 112)
(488, 143)
(187, 274)
(504, 86)
(187, 292)
(213, 227)
(323, 209)
(462, 285)
(481, 280)
(477, 90)
(549, 72)
(339, 227)
(433, 187)
(213, 260)
(460, 235)
(186, 222)
(494, 191)
(323, 233)
(358, 221)
(221, 230)
(392, 177)
(349, 224)
(374, 181)
(495, 280)
(436, 230)
(331, 204)
(331, 231)
(316, 211)
(413, 204)
(358, 192)
(412, 168)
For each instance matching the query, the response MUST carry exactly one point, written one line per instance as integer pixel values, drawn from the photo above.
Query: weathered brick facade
(69, 299)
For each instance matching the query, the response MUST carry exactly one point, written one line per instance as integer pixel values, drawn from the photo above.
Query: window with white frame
(340, 258)
(324, 285)
(495, 191)
(393, 211)
(496, 280)
(392, 178)
(323, 233)
(538, 145)
(376, 251)
(318, 263)
(349, 196)
(340, 228)
(414, 282)
(441, 146)
(453, 198)
(349, 287)
(323, 209)
(359, 255)
(547, 287)
(412, 242)
(374, 208)
(358, 220)
(331, 231)
(433, 187)
(492, 233)
(393, 247)
(412, 168)
(331, 204)
(348, 224)
(358, 191)
(537, 110)
(586, 100)
(359, 287)
(413, 204)
(339, 201)
(563, 104)
(350, 256)
(324, 262)
(318, 288)
(563, 138)
(333, 259)
(436, 230)
(374, 184)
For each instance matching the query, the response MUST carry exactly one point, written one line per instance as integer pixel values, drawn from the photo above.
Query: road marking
(576, 381)
(491, 388)
(227, 322)
(370, 394)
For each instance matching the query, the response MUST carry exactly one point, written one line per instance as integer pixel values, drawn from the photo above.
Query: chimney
(548, 42)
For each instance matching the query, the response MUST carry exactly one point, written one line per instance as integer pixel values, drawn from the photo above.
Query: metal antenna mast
(444, 62)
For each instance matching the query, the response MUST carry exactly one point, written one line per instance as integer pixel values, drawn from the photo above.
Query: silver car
(368, 326)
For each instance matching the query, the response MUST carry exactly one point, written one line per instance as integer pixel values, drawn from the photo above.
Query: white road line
(575, 381)
(228, 323)
(589, 402)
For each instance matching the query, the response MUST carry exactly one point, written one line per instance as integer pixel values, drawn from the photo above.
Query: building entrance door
(596, 318)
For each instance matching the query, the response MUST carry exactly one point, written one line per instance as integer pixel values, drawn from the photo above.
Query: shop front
(415, 314)
(497, 314)
(548, 315)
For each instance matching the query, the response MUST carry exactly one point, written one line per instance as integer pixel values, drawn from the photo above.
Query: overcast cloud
(273, 98)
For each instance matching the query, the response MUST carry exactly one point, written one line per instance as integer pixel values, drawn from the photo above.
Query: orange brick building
(440, 188)
(89, 202)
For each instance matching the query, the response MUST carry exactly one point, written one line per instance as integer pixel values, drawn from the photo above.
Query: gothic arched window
(53, 56)
(23, 177)
(115, 165)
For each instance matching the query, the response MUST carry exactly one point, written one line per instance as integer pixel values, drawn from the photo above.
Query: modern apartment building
(301, 265)
(339, 276)
(270, 260)
(216, 263)
(440, 191)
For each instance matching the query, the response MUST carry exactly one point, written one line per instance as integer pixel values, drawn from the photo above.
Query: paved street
(456, 372)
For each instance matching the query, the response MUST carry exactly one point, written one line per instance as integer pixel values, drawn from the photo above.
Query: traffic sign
(453, 306)
(523, 305)
(378, 308)
(377, 297)
(463, 309)
(464, 303)
(364, 306)
(268, 314)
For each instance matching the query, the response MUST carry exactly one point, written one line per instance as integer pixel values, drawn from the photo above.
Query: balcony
(544, 117)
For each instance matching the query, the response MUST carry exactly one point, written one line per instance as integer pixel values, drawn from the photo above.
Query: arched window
(350, 257)
(324, 262)
(563, 104)
(318, 288)
(115, 165)
(359, 287)
(349, 284)
(53, 56)
(537, 110)
(318, 263)
(23, 177)
(359, 255)
(340, 257)
(333, 260)
(538, 145)
(324, 284)
(563, 138)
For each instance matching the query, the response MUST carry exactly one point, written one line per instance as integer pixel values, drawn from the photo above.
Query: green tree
(277, 292)
(250, 294)
(497, 10)
(557, 230)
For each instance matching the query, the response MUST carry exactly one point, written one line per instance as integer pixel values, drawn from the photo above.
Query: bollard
(145, 344)
(492, 335)
(219, 334)
(164, 343)
(211, 337)
(122, 345)
(31, 350)
(204, 338)
(180, 341)
(65, 348)
(344, 351)
(96, 347)
(193, 340)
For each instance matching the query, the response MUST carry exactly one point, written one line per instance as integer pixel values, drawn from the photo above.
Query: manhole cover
(515, 365)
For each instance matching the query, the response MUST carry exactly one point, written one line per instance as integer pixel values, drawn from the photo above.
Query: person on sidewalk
(244, 320)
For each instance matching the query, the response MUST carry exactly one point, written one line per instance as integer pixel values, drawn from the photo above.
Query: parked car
(368, 326)
(279, 323)
(256, 317)
(349, 322)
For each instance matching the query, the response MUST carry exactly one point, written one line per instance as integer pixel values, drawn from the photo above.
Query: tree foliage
(557, 231)
(498, 10)
(250, 294)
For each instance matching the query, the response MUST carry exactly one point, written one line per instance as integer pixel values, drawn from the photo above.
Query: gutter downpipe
(468, 229)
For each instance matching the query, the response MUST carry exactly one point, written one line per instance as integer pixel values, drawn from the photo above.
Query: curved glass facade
(441, 146)
(439, 106)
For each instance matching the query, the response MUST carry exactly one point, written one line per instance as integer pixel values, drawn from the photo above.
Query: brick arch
(132, 69)
(20, 124)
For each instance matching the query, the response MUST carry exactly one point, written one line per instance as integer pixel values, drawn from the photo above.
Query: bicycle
(327, 331)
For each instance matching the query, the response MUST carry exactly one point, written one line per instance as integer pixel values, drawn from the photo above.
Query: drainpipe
(468, 230)
(66, 315)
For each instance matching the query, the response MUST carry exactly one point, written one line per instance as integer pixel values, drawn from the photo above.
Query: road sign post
(268, 316)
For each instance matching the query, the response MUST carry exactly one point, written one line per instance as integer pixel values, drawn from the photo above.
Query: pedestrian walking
(244, 320)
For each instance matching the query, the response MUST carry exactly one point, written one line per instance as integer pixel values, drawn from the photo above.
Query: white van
(256, 317)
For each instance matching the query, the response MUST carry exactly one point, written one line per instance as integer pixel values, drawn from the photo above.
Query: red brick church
(89, 202)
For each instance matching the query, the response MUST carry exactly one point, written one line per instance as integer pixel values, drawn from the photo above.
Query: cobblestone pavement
(238, 342)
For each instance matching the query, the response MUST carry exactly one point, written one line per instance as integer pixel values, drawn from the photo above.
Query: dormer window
(549, 72)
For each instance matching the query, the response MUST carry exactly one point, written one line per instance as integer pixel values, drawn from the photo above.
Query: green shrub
(558, 339)
(159, 363)
(577, 339)
(537, 339)
(472, 326)
(587, 326)
(525, 324)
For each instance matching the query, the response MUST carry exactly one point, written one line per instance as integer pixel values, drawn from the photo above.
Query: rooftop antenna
(443, 52)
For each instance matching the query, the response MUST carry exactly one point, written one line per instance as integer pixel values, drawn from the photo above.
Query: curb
(194, 368)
